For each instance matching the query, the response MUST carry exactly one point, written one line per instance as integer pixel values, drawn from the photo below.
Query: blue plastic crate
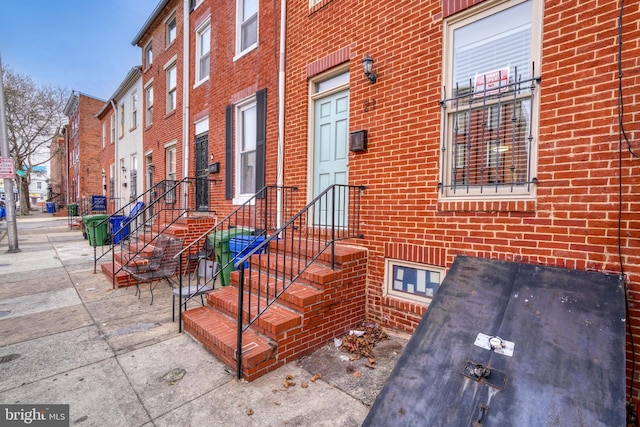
(239, 246)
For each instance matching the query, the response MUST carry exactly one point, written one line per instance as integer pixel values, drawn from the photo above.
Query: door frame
(314, 95)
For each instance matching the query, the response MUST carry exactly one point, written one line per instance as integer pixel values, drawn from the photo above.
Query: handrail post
(113, 264)
(180, 297)
(240, 311)
(333, 227)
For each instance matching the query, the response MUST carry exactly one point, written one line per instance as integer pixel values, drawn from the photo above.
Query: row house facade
(202, 93)
(500, 129)
(493, 130)
(57, 187)
(82, 147)
(161, 41)
(121, 124)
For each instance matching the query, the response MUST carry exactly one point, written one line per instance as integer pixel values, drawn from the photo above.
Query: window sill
(241, 200)
(245, 52)
(201, 82)
(487, 205)
(170, 113)
(316, 7)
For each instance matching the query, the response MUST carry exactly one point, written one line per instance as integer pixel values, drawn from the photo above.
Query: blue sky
(82, 45)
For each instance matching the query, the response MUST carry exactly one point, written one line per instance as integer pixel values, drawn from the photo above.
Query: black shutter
(228, 153)
(261, 137)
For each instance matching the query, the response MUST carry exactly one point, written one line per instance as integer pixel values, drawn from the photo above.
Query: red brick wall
(87, 138)
(573, 222)
(232, 81)
(166, 127)
(107, 156)
(90, 145)
(58, 172)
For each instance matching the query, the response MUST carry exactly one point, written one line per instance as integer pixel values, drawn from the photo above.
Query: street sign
(6, 168)
(21, 173)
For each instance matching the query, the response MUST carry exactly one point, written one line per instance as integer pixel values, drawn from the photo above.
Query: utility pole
(10, 206)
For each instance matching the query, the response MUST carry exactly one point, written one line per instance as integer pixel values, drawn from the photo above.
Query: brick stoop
(321, 305)
(187, 228)
(217, 333)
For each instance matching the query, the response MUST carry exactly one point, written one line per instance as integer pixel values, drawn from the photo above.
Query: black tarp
(568, 362)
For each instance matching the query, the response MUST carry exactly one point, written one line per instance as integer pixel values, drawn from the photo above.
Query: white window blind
(499, 41)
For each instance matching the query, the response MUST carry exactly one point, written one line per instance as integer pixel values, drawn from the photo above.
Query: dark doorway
(202, 173)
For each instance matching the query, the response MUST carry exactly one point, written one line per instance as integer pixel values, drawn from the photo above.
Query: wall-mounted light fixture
(124, 169)
(367, 68)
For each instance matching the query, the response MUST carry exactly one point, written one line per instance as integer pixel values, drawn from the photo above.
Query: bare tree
(34, 117)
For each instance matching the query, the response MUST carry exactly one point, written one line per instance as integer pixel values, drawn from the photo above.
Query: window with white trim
(412, 281)
(246, 138)
(246, 25)
(172, 84)
(122, 116)
(134, 109)
(104, 134)
(171, 29)
(171, 163)
(203, 48)
(148, 93)
(489, 107)
(112, 119)
(133, 177)
(171, 174)
(112, 181)
(148, 54)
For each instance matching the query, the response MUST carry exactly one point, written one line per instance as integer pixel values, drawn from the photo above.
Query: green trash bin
(220, 242)
(97, 229)
(72, 209)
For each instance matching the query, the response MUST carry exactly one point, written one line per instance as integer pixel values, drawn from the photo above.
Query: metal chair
(205, 253)
(185, 293)
(164, 270)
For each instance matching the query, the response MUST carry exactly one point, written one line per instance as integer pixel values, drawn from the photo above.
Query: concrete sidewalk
(67, 337)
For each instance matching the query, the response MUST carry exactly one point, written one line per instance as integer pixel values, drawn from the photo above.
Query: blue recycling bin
(51, 207)
(119, 228)
(242, 245)
(3, 212)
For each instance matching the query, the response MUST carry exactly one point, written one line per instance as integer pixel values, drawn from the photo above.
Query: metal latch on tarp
(495, 343)
(484, 374)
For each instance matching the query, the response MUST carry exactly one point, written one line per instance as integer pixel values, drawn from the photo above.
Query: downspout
(116, 161)
(185, 102)
(280, 166)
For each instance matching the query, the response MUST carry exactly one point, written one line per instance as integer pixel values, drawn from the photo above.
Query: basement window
(412, 281)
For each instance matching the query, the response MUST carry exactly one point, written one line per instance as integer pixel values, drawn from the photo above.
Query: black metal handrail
(109, 246)
(258, 216)
(332, 216)
(165, 205)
